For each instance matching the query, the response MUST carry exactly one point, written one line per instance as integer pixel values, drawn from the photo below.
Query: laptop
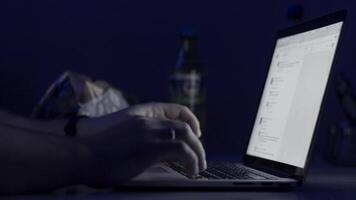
(282, 135)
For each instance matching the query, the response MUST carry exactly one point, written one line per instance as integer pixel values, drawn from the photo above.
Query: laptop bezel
(282, 169)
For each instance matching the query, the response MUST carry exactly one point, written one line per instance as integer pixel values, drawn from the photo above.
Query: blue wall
(133, 45)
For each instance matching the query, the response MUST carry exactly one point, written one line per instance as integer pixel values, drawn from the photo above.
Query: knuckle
(184, 108)
(152, 104)
(148, 104)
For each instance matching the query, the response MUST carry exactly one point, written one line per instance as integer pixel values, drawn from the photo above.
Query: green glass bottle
(188, 80)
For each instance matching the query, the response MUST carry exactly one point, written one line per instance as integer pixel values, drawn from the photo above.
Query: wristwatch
(70, 128)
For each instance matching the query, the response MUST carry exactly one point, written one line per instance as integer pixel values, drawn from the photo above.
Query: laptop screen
(293, 94)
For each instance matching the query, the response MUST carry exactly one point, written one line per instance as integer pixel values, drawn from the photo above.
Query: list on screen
(292, 95)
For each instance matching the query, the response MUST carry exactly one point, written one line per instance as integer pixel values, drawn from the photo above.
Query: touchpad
(159, 172)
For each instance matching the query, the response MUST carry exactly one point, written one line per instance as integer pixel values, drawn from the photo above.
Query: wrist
(71, 127)
(91, 126)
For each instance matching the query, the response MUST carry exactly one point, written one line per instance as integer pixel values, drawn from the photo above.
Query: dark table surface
(324, 181)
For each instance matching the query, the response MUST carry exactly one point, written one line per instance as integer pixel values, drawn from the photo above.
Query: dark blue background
(133, 44)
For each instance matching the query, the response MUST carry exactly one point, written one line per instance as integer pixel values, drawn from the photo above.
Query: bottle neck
(188, 57)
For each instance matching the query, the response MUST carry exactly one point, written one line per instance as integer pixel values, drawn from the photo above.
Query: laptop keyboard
(224, 171)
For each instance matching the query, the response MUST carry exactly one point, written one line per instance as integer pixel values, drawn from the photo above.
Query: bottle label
(186, 89)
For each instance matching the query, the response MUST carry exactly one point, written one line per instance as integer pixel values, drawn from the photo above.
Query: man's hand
(108, 150)
(167, 111)
(143, 135)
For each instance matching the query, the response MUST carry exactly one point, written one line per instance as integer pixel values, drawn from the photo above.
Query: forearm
(35, 162)
(55, 127)
(85, 126)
